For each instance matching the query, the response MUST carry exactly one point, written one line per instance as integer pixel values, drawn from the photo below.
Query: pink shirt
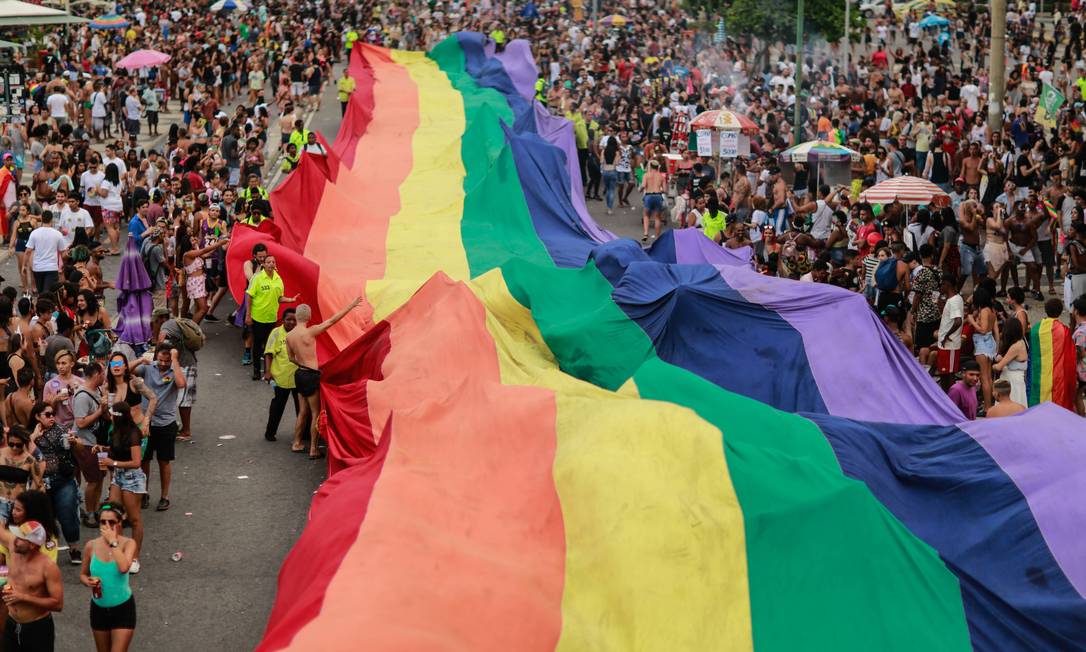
(965, 397)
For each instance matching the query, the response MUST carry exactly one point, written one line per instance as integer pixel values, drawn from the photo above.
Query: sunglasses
(108, 521)
(47, 414)
(15, 444)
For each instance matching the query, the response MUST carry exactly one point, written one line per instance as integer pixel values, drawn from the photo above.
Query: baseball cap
(31, 531)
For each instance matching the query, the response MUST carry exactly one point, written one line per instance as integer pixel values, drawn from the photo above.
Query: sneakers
(75, 556)
(90, 521)
(247, 358)
(135, 567)
(211, 318)
(145, 502)
(163, 505)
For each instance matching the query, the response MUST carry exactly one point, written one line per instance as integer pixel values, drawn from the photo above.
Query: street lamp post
(846, 48)
(997, 54)
(799, 72)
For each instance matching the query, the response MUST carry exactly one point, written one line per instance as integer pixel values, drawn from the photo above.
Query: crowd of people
(910, 101)
(94, 401)
(88, 406)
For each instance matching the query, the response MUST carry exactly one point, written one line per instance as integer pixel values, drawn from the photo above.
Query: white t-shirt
(98, 104)
(953, 309)
(132, 108)
(47, 244)
(758, 220)
(72, 220)
(58, 105)
(971, 96)
(119, 162)
(112, 201)
(91, 180)
(821, 220)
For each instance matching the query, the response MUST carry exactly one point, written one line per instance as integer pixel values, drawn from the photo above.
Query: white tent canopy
(14, 13)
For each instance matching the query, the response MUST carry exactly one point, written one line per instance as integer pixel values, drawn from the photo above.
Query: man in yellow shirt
(349, 40)
(279, 370)
(253, 190)
(299, 135)
(344, 88)
(262, 310)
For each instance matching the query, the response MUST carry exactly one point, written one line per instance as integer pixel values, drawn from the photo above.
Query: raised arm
(331, 321)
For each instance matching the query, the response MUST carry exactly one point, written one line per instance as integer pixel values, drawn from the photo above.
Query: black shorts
(29, 637)
(925, 333)
(152, 118)
(161, 443)
(123, 616)
(1048, 252)
(307, 381)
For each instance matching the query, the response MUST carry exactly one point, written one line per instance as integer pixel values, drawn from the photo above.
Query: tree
(775, 20)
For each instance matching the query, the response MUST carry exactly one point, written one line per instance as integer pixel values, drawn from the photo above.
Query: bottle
(96, 590)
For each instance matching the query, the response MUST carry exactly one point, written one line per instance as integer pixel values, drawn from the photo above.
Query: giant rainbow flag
(543, 437)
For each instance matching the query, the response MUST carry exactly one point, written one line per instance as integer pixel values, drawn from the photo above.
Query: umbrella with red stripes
(906, 190)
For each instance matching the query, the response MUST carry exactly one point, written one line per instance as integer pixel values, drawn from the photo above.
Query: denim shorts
(984, 344)
(131, 480)
(654, 202)
(972, 259)
(5, 509)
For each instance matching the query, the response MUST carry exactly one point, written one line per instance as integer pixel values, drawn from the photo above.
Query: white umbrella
(229, 5)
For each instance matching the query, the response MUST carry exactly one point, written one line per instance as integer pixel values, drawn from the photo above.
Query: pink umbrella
(143, 59)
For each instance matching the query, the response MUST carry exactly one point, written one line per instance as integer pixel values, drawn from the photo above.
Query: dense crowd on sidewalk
(96, 400)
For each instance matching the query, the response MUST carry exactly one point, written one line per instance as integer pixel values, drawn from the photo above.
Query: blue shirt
(136, 229)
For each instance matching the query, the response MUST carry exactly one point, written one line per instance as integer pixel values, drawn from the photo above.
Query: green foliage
(775, 20)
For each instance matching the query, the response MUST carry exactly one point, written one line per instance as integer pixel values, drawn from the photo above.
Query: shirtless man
(34, 590)
(778, 210)
(970, 219)
(1022, 239)
(302, 351)
(1004, 406)
(653, 187)
(286, 125)
(740, 207)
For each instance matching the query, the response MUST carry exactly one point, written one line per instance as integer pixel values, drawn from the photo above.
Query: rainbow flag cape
(1050, 375)
(542, 437)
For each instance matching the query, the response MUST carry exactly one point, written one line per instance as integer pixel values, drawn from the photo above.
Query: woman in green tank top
(106, 562)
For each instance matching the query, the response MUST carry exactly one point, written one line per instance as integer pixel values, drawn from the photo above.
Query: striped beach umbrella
(724, 119)
(906, 190)
(109, 21)
(819, 151)
(614, 20)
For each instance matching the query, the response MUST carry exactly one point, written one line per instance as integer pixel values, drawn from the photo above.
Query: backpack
(98, 342)
(145, 254)
(886, 275)
(101, 426)
(191, 335)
